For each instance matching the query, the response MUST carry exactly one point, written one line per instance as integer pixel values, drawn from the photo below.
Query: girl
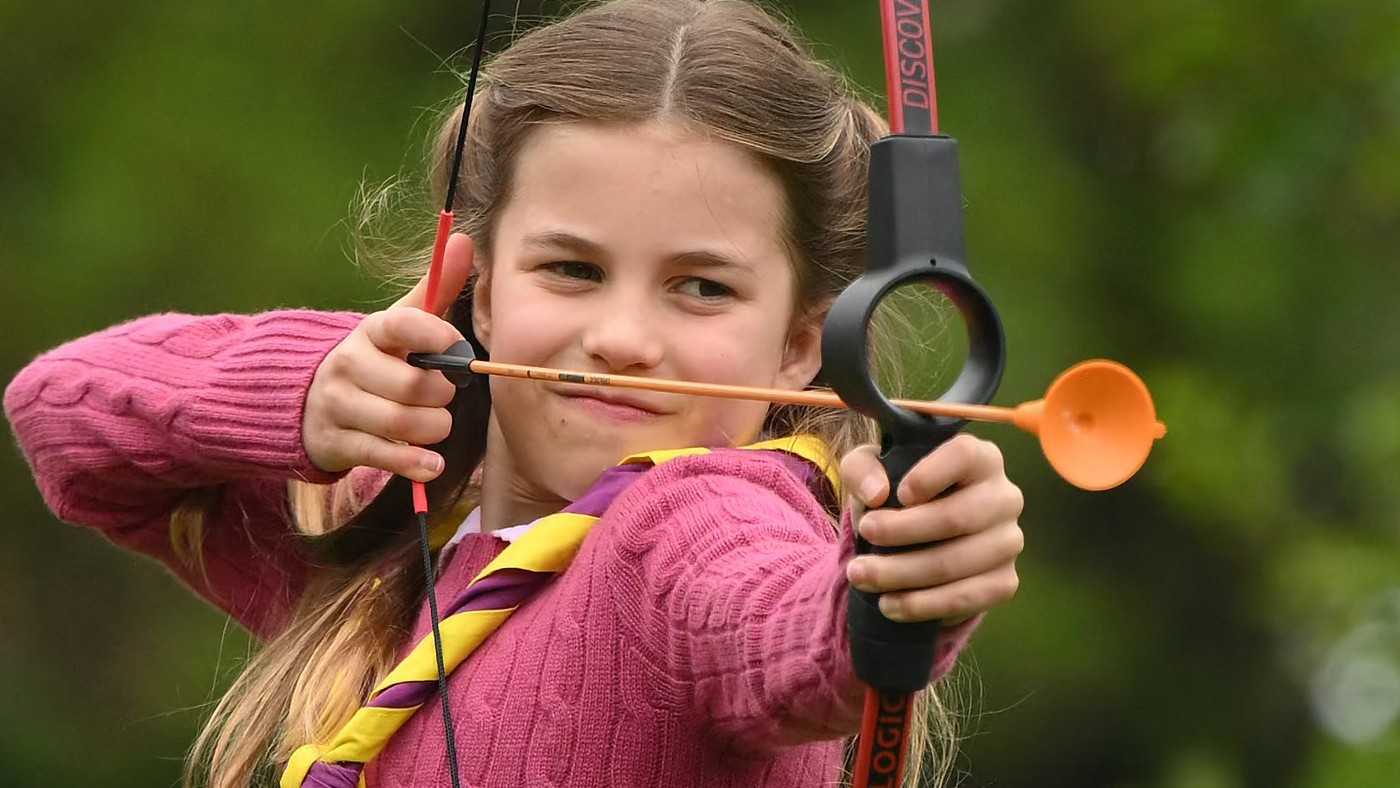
(664, 188)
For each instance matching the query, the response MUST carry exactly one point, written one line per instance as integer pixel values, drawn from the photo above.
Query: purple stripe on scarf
(618, 478)
(404, 694)
(333, 775)
(503, 588)
(608, 487)
(802, 469)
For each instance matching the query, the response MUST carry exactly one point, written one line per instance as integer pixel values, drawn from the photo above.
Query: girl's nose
(624, 334)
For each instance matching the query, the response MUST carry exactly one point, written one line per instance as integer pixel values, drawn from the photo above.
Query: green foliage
(1207, 190)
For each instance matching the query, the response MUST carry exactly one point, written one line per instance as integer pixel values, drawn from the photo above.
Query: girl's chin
(600, 446)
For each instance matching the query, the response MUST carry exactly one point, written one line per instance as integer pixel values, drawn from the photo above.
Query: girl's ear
(802, 359)
(481, 306)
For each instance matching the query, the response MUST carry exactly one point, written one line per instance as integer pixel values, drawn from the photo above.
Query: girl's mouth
(611, 406)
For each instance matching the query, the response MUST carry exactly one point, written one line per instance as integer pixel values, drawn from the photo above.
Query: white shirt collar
(472, 525)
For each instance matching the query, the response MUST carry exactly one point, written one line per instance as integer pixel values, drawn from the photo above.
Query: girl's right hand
(367, 406)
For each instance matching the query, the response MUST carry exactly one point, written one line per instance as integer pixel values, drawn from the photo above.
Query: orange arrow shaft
(822, 399)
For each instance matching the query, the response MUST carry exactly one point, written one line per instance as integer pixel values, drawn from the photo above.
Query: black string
(428, 574)
(437, 644)
(467, 105)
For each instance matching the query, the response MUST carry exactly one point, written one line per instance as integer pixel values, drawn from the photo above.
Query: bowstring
(429, 299)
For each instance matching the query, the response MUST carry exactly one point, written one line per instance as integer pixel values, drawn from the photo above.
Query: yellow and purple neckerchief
(525, 566)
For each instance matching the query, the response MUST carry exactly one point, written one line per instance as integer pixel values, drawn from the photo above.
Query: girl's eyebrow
(559, 239)
(562, 239)
(704, 258)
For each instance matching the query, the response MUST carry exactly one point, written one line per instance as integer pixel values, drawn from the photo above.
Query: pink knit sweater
(697, 639)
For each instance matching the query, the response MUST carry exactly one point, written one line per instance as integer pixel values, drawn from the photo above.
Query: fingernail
(857, 573)
(867, 526)
(892, 607)
(432, 463)
(869, 489)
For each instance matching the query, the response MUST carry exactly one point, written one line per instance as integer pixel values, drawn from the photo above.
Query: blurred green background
(1208, 190)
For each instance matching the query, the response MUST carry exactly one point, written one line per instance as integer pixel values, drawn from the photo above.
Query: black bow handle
(914, 236)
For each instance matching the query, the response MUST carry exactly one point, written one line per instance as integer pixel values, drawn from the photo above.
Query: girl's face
(637, 250)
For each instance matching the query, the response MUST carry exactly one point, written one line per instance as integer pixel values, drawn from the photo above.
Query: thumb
(457, 262)
(864, 476)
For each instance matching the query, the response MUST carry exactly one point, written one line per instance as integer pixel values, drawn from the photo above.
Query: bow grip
(888, 655)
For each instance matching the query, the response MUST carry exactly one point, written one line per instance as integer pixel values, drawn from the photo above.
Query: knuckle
(1010, 584)
(937, 570)
(441, 392)
(406, 385)
(962, 602)
(334, 401)
(337, 361)
(400, 390)
(363, 448)
(319, 447)
(957, 520)
(991, 454)
(439, 427)
(1015, 496)
(394, 318)
(368, 330)
(399, 324)
(965, 445)
(960, 451)
(398, 423)
(419, 387)
(918, 487)
(1016, 540)
(447, 334)
(857, 461)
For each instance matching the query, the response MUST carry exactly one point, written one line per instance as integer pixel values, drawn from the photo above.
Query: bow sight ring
(914, 236)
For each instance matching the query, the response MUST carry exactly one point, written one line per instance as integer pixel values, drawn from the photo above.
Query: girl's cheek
(531, 330)
(724, 422)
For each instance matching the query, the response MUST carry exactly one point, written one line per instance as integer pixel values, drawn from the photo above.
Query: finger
(964, 459)
(395, 422)
(418, 464)
(958, 600)
(399, 331)
(864, 476)
(391, 378)
(940, 564)
(457, 261)
(964, 511)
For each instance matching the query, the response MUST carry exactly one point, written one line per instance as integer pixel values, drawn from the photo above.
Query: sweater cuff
(247, 416)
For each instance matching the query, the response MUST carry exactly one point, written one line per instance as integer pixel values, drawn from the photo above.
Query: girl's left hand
(972, 566)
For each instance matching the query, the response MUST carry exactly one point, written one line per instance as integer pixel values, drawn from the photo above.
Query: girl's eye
(574, 269)
(707, 289)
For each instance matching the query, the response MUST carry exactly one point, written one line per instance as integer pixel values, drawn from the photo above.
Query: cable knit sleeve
(119, 427)
(733, 579)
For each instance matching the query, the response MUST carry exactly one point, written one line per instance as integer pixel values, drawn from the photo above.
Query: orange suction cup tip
(1096, 424)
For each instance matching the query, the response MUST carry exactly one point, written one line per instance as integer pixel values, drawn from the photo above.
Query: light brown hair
(725, 69)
